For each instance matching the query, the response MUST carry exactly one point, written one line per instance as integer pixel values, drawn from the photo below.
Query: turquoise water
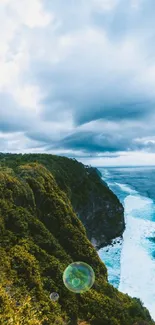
(131, 261)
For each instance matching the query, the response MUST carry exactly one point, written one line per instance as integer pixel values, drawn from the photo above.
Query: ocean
(131, 261)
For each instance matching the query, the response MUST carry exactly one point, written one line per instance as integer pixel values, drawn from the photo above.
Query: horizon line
(120, 166)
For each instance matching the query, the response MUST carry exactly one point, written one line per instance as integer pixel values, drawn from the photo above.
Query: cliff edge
(96, 205)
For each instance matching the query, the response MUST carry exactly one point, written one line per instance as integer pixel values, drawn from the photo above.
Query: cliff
(40, 234)
(95, 204)
(101, 213)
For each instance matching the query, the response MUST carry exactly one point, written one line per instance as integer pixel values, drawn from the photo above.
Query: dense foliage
(95, 204)
(40, 234)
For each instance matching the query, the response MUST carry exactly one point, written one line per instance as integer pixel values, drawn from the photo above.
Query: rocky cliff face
(96, 205)
(102, 213)
(103, 220)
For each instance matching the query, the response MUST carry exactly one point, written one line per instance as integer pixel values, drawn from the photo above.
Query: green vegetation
(95, 204)
(40, 234)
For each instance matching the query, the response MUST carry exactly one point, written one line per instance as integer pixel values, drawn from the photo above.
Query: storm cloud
(77, 78)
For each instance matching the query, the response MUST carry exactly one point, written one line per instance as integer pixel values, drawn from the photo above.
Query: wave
(105, 173)
(126, 188)
(137, 266)
(111, 257)
(132, 203)
(131, 264)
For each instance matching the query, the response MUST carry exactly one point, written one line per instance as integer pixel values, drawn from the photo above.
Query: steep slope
(96, 205)
(39, 236)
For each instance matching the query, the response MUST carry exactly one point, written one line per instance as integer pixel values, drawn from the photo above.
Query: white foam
(133, 202)
(105, 173)
(137, 270)
(137, 266)
(111, 257)
(126, 188)
(109, 183)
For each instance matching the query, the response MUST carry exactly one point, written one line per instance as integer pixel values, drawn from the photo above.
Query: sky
(77, 78)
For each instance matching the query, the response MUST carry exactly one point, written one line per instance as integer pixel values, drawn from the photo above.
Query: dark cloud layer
(90, 142)
(93, 68)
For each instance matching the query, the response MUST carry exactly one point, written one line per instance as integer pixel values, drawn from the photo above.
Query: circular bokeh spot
(78, 277)
(54, 296)
(76, 282)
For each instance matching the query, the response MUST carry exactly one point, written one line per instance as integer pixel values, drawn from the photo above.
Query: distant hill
(40, 235)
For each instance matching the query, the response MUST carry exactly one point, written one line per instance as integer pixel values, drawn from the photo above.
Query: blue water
(131, 261)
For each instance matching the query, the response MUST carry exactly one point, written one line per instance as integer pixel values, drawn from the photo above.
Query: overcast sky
(77, 78)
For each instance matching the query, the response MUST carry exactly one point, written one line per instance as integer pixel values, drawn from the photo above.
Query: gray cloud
(90, 142)
(94, 143)
(13, 118)
(92, 67)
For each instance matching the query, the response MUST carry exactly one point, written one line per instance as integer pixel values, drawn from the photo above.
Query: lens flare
(78, 277)
(54, 296)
